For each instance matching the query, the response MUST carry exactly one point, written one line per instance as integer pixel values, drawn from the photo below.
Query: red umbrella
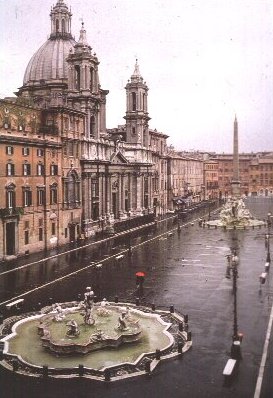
(141, 274)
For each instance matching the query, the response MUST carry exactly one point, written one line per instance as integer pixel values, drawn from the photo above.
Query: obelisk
(235, 183)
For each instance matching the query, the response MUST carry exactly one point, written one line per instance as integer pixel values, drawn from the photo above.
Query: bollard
(225, 227)
(137, 301)
(215, 227)
(180, 327)
(171, 309)
(116, 299)
(81, 370)
(178, 228)
(45, 371)
(95, 299)
(189, 336)
(130, 251)
(262, 278)
(107, 376)
(236, 350)
(153, 307)
(15, 365)
(157, 354)
(234, 227)
(148, 367)
(268, 259)
(180, 348)
(186, 318)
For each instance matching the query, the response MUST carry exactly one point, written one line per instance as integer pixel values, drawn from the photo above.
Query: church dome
(49, 62)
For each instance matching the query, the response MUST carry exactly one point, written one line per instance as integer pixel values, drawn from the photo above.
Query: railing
(14, 211)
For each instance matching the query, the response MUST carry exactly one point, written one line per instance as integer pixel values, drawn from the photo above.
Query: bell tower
(137, 117)
(84, 87)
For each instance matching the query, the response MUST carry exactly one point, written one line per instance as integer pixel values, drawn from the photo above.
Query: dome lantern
(60, 21)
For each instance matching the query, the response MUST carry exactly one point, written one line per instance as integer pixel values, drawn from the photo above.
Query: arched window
(57, 25)
(92, 126)
(92, 79)
(63, 26)
(134, 101)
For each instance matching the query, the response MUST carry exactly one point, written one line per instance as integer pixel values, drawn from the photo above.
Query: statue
(59, 316)
(73, 330)
(121, 322)
(88, 316)
(99, 335)
(102, 311)
(129, 318)
(88, 297)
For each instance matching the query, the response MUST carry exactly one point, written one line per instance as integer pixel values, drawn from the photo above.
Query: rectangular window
(70, 148)
(9, 150)
(26, 169)
(40, 197)
(26, 237)
(11, 199)
(65, 232)
(65, 148)
(54, 170)
(25, 151)
(40, 169)
(10, 169)
(27, 197)
(94, 188)
(41, 234)
(40, 152)
(41, 222)
(53, 228)
(53, 196)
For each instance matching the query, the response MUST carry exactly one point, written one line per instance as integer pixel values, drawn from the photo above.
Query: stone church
(65, 176)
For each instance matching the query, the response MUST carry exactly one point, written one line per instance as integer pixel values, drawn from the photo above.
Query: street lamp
(268, 259)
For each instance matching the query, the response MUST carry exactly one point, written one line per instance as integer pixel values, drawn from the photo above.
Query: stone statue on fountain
(59, 313)
(88, 304)
(73, 328)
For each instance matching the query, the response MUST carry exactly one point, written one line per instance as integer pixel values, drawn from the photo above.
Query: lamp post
(268, 259)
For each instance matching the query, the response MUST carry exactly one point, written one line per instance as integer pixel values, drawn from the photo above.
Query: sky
(203, 60)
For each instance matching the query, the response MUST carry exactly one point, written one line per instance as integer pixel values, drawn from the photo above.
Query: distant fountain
(234, 213)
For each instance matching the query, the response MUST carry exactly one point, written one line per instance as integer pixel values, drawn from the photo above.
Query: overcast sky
(203, 60)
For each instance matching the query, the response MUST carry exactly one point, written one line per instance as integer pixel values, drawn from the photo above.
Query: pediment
(118, 158)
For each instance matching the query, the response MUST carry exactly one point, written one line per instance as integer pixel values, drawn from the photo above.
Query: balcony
(11, 212)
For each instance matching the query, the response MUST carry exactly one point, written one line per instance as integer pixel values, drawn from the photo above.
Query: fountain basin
(159, 331)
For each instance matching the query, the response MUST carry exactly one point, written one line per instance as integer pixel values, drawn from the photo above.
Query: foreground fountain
(103, 341)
